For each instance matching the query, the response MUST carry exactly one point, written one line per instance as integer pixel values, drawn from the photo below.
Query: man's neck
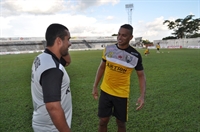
(54, 51)
(123, 46)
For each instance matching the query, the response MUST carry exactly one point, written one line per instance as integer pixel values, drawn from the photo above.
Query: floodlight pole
(129, 8)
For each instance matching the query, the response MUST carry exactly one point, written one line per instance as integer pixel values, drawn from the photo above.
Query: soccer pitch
(172, 101)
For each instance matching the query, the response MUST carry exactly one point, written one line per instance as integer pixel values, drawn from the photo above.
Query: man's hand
(140, 102)
(95, 93)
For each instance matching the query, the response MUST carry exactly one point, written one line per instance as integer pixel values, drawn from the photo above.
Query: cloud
(84, 4)
(109, 17)
(29, 18)
(157, 24)
(19, 19)
(17, 7)
(42, 7)
(153, 30)
(35, 25)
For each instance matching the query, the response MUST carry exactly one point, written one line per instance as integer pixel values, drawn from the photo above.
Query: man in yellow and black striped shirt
(158, 47)
(118, 62)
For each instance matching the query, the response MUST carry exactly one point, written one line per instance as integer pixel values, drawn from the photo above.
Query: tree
(146, 42)
(196, 35)
(169, 37)
(115, 35)
(184, 27)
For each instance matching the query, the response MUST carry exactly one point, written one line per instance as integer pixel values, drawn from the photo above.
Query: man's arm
(57, 116)
(142, 84)
(98, 77)
(67, 58)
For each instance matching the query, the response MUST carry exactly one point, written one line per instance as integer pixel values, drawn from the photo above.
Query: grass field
(172, 96)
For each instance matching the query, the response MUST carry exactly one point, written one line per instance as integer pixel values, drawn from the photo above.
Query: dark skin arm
(57, 116)
(142, 84)
(98, 77)
(67, 58)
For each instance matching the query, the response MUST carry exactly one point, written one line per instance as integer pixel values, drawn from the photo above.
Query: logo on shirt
(120, 57)
(110, 54)
(68, 90)
(133, 53)
(37, 63)
(116, 68)
(129, 59)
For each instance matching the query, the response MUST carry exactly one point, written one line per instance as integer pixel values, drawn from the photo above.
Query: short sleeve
(51, 81)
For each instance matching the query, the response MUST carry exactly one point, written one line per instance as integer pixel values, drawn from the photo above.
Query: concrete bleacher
(9, 47)
(16, 46)
(30, 45)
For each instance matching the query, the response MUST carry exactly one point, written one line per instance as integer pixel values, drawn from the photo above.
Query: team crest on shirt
(129, 59)
(120, 57)
(110, 54)
(37, 63)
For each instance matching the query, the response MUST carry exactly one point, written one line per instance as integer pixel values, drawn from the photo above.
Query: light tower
(129, 8)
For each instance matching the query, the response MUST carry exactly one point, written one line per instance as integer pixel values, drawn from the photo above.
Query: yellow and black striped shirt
(119, 66)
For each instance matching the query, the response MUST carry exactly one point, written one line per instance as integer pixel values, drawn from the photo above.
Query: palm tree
(184, 27)
(193, 26)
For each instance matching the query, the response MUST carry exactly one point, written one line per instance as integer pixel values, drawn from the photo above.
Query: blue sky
(30, 18)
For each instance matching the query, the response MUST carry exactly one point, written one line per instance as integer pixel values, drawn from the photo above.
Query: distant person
(158, 47)
(118, 62)
(50, 83)
(146, 51)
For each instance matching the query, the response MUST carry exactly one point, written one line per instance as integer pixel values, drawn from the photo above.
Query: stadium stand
(30, 45)
(9, 47)
(16, 46)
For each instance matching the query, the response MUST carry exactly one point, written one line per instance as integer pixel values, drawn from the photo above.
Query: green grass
(172, 96)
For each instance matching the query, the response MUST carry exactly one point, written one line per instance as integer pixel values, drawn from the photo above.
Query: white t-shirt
(49, 83)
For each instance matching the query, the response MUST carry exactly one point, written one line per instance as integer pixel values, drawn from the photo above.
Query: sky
(30, 18)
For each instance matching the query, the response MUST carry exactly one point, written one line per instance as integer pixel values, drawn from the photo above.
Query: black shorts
(112, 105)
(157, 48)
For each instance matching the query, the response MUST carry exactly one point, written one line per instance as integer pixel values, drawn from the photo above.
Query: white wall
(179, 43)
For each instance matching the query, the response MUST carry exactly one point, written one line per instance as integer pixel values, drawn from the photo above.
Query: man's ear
(131, 37)
(58, 41)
